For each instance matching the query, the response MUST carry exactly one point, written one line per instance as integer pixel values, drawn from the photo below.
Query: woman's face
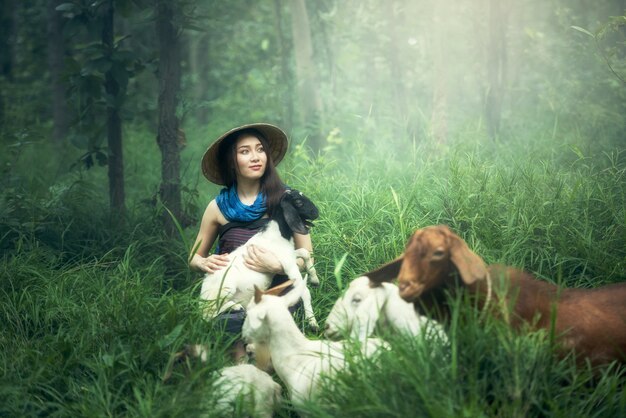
(251, 158)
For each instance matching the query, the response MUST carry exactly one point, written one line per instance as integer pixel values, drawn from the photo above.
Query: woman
(243, 159)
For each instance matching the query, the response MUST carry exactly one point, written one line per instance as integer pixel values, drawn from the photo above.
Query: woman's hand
(209, 264)
(262, 260)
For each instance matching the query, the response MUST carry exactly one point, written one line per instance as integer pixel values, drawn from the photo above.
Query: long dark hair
(271, 184)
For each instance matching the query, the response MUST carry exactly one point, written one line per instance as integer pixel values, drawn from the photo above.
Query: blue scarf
(235, 211)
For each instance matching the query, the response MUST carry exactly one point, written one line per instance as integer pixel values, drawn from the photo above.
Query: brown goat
(592, 322)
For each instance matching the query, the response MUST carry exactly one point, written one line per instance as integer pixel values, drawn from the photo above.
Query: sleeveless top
(234, 234)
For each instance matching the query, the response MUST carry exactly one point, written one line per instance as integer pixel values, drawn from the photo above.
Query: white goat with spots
(298, 361)
(366, 307)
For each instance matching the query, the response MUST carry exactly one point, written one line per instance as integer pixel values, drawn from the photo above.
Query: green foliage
(611, 54)
(487, 371)
(88, 339)
(96, 308)
(91, 61)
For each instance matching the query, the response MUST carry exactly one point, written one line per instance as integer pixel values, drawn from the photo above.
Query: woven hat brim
(276, 138)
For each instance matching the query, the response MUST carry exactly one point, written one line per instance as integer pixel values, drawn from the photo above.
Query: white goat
(244, 384)
(366, 307)
(298, 361)
(232, 287)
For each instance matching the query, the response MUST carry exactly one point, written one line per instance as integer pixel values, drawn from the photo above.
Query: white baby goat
(366, 307)
(297, 360)
(232, 287)
(255, 389)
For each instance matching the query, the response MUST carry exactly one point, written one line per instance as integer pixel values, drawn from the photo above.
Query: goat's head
(298, 211)
(356, 312)
(253, 329)
(256, 312)
(430, 256)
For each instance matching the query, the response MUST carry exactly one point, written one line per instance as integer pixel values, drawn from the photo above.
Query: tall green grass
(92, 311)
(487, 371)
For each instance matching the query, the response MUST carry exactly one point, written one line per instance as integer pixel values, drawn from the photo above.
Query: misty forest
(504, 120)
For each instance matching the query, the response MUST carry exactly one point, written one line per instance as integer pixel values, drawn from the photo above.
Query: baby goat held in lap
(592, 322)
(232, 287)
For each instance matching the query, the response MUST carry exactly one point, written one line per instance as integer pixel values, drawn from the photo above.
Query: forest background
(504, 119)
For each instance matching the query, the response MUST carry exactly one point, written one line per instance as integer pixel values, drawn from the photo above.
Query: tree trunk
(7, 26)
(56, 56)
(439, 117)
(395, 20)
(168, 130)
(496, 65)
(308, 91)
(198, 47)
(287, 91)
(114, 122)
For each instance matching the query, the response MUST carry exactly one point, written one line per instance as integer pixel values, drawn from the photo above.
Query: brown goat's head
(431, 255)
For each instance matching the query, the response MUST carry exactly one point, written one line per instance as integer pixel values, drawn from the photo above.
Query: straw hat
(276, 139)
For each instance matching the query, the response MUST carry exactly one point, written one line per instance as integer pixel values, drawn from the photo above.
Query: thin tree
(56, 57)
(439, 117)
(309, 100)
(285, 74)
(199, 46)
(168, 129)
(7, 26)
(114, 122)
(496, 65)
(395, 20)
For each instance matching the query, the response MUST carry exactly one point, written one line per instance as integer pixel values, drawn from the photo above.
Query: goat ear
(374, 284)
(386, 272)
(258, 293)
(277, 290)
(292, 217)
(366, 325)
(470, 266)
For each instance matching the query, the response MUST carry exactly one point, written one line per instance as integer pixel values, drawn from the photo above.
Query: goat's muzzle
(330, 333)
(409, 290)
